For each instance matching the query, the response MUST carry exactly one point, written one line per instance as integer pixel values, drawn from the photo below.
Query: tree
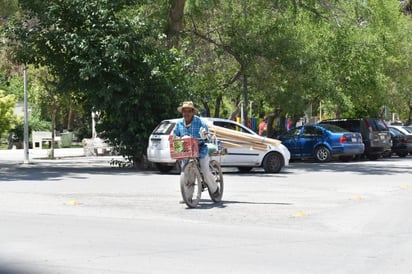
(265, 46)
(106, 51)
(8, 69)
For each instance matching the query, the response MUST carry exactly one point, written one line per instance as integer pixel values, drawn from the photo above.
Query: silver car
(406, 137)
(272, 160)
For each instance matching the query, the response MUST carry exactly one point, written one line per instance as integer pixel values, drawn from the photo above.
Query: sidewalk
(62, 156)
(17, 155)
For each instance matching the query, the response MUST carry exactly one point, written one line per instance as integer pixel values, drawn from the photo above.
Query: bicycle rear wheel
(218, 175)
(191, 184)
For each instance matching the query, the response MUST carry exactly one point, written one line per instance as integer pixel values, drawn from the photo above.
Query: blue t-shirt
(192, 130)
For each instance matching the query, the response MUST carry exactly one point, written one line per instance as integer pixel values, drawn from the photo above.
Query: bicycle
(192, 183)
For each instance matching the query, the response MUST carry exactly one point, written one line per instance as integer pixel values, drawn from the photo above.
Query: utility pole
(245, 91)
(26, 117)
(244, 109)
(242, 112)
(320, 111)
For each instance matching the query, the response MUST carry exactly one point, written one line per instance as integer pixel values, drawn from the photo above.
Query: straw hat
(187, 104)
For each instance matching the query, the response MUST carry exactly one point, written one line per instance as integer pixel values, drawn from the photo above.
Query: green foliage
(36, 123)
(230, 40)
(15, 86)
(7, 117)
(361, 44)
(17, 132)
(8, 7)
(119, 63)
(346, 54)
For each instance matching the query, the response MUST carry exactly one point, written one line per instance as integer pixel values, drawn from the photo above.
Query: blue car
(322, 142)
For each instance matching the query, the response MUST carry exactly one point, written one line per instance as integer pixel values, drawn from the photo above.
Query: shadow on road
(4, 269)
(41, 172)
(253, 203)
(56, 172)
(364, 167)
(208, 204)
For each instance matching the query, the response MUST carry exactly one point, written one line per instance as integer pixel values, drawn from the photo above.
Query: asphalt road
(83, 216)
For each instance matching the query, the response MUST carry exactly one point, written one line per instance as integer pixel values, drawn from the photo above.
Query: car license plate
(354, 140)
(382, 137)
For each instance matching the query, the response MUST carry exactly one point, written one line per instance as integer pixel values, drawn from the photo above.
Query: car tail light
(368, 125)
(343, 139)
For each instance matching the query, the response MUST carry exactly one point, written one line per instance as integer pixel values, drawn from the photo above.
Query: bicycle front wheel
(218, 175)
(191, 184)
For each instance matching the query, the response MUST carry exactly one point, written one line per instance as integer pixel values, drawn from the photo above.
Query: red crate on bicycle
(183, 148)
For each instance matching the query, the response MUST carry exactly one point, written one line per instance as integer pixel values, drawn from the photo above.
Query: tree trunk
(207, 108)
(217, 106)
(10, 140)
(70, 118)
(271, 117)
(337, 113)
(408, 7)
(282, 127)
(175, 22)
(53, 128)
(294, 120)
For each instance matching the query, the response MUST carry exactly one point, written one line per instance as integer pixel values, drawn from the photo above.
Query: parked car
(399, 144)
(322, 142)
(272, 160)
(375, 134)
(405, 130)
(406, 138)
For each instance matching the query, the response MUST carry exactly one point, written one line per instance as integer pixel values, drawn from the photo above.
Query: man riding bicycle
(191, 125)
